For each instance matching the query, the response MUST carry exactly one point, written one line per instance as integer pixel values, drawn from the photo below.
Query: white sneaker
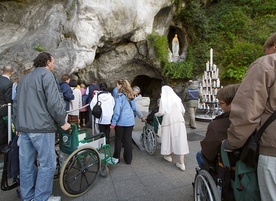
(168, 158)
(180, 166)
(54, 198)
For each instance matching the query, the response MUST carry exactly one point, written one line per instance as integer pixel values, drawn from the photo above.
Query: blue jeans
(199, 159)
(37, 183)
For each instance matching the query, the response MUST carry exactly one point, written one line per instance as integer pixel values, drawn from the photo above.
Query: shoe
(180, 166)
(168, 158)
(192, 127)
(54, 198)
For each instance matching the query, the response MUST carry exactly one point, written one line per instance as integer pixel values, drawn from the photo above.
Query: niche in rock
(176, 34)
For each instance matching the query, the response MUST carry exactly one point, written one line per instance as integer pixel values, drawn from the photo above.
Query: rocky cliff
(103, 40)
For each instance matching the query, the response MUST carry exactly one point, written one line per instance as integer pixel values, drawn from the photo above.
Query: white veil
(169, 98)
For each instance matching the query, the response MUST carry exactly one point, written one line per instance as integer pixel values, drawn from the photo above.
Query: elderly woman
(174, 135)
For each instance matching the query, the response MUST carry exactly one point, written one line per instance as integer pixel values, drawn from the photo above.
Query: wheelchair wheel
(80, 171)
(150, 141)
(205, 187)
(104, 171)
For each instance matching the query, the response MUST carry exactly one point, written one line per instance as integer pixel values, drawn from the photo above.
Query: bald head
(8, 70)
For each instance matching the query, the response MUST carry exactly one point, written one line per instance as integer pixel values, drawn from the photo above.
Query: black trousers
(3, 132)
(105, 128)
(123, 133)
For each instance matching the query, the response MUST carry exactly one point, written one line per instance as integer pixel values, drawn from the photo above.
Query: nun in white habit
(174, 134)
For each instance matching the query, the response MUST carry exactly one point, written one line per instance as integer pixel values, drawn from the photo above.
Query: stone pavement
(147, 178)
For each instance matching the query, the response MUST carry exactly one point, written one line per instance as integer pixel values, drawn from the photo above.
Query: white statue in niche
(175, 46)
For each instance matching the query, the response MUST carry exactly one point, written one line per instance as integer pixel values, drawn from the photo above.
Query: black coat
(5, 94)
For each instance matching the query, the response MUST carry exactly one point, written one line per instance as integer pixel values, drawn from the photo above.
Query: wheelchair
(213, 180)
(84, 159)
(149, 135)
(88, 158)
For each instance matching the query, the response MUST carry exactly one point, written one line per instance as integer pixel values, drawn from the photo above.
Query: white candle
(214, 67)
(211, 57)
(207, 66)
(217, 72)
(218, 83)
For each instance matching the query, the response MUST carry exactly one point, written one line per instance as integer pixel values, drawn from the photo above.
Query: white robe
(174, 134)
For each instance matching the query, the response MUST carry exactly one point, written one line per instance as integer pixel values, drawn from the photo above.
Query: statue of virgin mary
(175, 46)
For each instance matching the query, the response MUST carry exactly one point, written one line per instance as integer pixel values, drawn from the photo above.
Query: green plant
(38, 48)
(236, 30)
(160, 45)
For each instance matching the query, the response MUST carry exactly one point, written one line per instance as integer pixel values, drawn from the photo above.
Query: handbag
(159, 131)
(250, 151)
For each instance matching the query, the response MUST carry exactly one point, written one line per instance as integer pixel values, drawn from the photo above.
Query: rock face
(101, 40)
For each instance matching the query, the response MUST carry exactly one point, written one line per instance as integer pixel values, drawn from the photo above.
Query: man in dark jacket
(66, 90)
(37, 110)
(5, 97)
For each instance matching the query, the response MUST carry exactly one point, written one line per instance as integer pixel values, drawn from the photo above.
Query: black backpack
(97, 109)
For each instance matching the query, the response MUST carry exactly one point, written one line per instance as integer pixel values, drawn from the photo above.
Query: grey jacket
(38, 104)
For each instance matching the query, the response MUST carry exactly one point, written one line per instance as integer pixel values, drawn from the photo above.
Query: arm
(248, 105)
(68, 94)
(117, 111)
(161, 111)
(54, 101)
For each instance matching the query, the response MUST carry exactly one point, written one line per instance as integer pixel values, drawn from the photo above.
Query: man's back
(38, 93)
(5, 94)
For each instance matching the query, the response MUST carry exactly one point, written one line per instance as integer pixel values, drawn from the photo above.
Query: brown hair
(126, 89)
(65, 77)
(228, 93)
(270, 42)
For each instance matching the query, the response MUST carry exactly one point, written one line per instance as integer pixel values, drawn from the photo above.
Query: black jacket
(5, 94)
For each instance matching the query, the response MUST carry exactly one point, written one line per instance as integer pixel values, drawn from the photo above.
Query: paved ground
(147, 178)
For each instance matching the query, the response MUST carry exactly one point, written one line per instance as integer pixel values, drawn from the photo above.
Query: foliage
(38, 48)
(177, 70)
(236, 30)
(193, 19)
(160, 45)
(240, 55)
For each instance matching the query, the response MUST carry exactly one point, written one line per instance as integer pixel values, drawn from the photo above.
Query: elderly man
(5, 97)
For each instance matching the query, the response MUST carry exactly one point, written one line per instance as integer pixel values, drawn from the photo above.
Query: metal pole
(9, 123)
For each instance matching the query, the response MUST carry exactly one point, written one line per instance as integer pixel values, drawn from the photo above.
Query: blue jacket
(67, 94)
(123, 111)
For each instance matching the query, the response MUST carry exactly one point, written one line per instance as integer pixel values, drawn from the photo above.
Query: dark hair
(103, 86)
(41, 59)
(73, 83)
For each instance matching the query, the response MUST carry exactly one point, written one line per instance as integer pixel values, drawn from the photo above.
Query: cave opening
(150, 87)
